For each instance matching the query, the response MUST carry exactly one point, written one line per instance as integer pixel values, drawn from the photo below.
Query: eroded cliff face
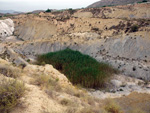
(6, 28)
(130, 55)
(109, 35)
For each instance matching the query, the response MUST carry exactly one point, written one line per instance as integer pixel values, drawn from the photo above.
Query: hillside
(103, 3)
(33, 45)
(9, 12)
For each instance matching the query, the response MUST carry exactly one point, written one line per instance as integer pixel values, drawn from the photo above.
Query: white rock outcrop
(6, 28)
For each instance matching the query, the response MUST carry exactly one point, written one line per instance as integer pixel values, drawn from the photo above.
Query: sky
(30, 5)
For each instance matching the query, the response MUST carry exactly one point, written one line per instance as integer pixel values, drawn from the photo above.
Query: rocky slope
(103, 3)
(117, 35)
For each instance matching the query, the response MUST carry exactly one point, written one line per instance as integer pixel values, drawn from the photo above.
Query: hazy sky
(30, 5)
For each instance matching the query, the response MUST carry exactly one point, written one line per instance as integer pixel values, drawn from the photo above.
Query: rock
(15, 58)
(116, 83)
(148, 86)
(48, 70)
(6, 28)
(2, 49)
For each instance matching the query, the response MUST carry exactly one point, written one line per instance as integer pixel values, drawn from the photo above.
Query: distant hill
(9, 11)
(103, 3)
(37, 11)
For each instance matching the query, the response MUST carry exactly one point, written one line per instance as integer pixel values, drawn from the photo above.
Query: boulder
(116, 83)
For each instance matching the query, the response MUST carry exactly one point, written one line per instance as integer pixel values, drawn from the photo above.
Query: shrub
(10, 92)
(48, 11)
(28, 60)
(45, 81)
(112, 107)
(42, 80)
(72, 11)
(29, 13)
(144, 1)
(9, 71)
(66, 102)
(134, 28)
(95, 29)
(79, 68)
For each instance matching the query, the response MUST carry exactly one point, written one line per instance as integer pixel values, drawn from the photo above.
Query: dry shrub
(50, 85)
(45, 81)
(73, 91)
(10, 71)
(10, 92)
(66, 102)
(112, 107)
(41, 80)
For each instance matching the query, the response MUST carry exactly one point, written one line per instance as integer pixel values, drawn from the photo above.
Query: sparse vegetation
(79, 68)
(10, 92)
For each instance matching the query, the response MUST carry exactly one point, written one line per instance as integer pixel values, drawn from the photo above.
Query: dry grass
(137, 110)
(10, 71)
(112, 107)
(71, 110)
(90, 110)
(10, 92)
(41, 80)
(66, 102)
(47, 83)
(135, 103)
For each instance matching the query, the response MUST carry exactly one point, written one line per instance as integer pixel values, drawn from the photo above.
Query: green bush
(144, 1)
(48, 11)
(10, 92)
(79, 68)
(134, 28)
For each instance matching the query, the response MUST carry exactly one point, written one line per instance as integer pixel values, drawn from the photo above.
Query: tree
(48, 11)
(144, 1)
